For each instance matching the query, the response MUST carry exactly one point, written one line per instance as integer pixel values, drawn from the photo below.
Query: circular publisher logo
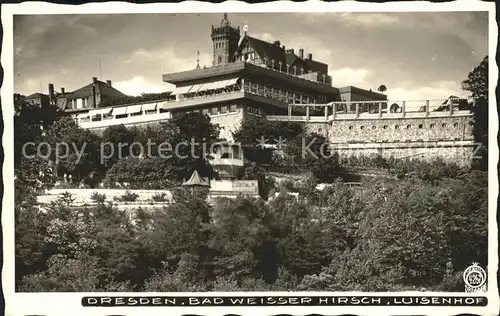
(474, 276)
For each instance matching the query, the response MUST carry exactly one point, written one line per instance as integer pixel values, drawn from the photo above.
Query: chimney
(62, 91)
(94, 80)
(108, 83)
(301, 53)
(277, 43)
(284, 48)
(51, 92)
(310, 56)
(291, 50)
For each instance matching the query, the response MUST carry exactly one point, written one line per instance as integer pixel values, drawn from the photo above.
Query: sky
(417, 56)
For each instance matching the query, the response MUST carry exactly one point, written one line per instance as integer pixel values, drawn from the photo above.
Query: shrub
(67, 198)
(159, 197)
(129, 197)
(98, 198)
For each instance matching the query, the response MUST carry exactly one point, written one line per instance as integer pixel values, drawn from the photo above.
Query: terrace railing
(350, 110)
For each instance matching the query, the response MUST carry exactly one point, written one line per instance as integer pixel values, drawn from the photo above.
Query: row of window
(248, 57)
(284, 95)
(223, 109)
(420, 126)
(79, 103)
(254, 111)
(211, 92)
(219, 45)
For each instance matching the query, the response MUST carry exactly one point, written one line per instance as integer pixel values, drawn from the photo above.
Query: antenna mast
(100, 70)
(197, 59)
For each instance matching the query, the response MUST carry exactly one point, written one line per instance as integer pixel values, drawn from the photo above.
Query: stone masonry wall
(453, 153)
(320, 128)
(403, 129)
(448, 138)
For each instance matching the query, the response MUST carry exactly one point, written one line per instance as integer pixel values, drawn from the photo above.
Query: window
(374, 127)
(396, 127)
(455, 125)
(420, 126)
(444, 125)
(432, 126)
(385, 127)
(408, 126)
(84, 102)
(362, 127)
(236, 152)
(350, 127)
(319, 130)
(220, 59)
(223, 109)
(214, 111)
(233, 108)
(250, 109)
(205, 111)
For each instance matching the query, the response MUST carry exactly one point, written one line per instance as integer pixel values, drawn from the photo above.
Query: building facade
(90, 96)
(250, 77)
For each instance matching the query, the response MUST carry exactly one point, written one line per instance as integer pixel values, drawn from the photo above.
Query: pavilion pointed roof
(196, 180)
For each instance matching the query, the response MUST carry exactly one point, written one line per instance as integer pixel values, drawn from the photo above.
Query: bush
(98, 198)
(129, 197)
(159, 197)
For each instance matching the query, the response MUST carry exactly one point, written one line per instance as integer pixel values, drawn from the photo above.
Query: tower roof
(225, 21)
(225, 28)
(196, 180)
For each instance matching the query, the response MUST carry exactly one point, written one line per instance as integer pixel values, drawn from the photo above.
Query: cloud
(139, 84)
(351, 77)
(405, 51)
(369, 19)
(438, 90)
(268, 37)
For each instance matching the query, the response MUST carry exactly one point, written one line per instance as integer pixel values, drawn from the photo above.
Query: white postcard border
(62, 303)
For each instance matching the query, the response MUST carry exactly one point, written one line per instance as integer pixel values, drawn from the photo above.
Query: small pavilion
(195, 181)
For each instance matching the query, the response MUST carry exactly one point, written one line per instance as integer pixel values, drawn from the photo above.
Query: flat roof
(241, 69)
(354, 89)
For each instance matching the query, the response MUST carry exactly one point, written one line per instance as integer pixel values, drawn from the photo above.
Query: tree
(382, 88)
(30, 122)
(81, 274)
(189, 135)
(117, 140)
(312, 153)
(477, 84)
(241, 237)
(252, 131)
